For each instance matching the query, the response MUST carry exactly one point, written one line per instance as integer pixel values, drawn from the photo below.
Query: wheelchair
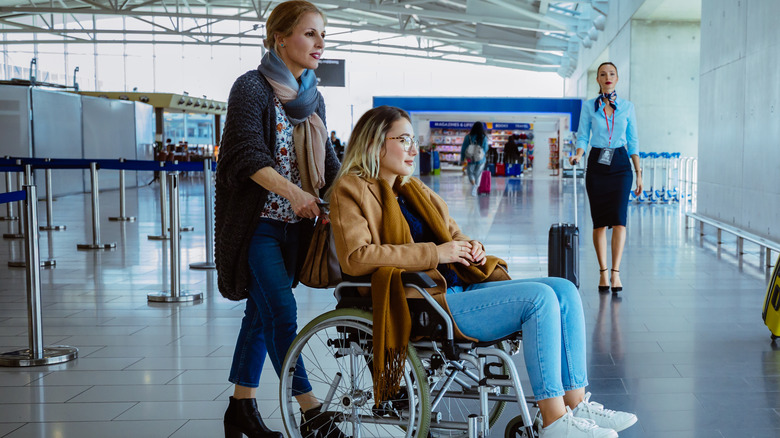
(450, 388)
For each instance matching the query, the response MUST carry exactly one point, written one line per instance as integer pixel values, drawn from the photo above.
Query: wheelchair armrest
(419, 279)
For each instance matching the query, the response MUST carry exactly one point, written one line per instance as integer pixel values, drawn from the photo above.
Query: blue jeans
(547, 310)
(474, 171)
(270, 319)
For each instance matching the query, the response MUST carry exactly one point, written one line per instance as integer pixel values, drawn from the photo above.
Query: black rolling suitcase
(563, 247)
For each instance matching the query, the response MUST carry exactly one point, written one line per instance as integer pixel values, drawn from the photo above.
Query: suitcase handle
(775, 300)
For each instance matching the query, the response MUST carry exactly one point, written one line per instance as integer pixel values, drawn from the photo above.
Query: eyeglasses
(407, 142)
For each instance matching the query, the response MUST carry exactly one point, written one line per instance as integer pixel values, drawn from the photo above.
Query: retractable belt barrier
(175, 295)
(19, 182)
(166, 170)
(36, 354)
(13, 164)
(9, 206)
(49, 263)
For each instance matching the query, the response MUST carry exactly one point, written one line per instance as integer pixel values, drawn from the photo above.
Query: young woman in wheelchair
(384, 221)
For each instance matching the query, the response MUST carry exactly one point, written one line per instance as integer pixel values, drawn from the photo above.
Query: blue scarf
(300, 108)
(299, 100)
(611, 97)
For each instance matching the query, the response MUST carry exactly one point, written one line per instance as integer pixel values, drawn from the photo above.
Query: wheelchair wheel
(516, 429)
(337, 351)
(461, 399)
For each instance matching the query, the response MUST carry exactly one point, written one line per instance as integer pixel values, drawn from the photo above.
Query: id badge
(605, 156)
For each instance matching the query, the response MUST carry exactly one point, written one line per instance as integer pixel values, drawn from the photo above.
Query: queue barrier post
(19, 234)
(9, 207)
(49, 263)
(96, 244)
(175, 295)
(123, 217)
(183, 228)
(36, 354)
(208, 198)
(163, 206)
(49, 204)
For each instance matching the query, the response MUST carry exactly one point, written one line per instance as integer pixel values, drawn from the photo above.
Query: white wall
(665, 85)
(739, 117)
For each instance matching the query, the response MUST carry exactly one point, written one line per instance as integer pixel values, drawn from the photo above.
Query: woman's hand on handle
(455, 251)
(574, 159)
(304, 204)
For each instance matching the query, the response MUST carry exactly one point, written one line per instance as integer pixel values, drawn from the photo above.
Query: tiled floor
(683, 346)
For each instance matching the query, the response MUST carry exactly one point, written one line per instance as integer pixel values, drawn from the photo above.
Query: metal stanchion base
(23, 264)
(9, 218)
(203, 265)
(161, 237)
(13, 236)
(52, 355)
(96, 246)
(53, 228)
(122, 219)
(165, 297)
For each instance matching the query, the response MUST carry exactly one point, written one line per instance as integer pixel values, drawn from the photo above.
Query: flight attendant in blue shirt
(608, 123)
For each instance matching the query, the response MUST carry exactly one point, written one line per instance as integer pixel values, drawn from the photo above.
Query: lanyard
(610, 131)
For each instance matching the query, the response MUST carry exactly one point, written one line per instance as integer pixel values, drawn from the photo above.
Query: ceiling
(536, 35)
(670, 10)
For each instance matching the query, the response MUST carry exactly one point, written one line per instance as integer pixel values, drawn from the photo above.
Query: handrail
(762, 242)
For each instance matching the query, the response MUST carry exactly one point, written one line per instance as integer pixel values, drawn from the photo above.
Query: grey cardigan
(248, 145)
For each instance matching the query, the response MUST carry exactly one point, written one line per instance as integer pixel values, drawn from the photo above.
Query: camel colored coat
(356, 217)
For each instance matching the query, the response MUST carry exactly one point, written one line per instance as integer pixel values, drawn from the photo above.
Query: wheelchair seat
(450, 388)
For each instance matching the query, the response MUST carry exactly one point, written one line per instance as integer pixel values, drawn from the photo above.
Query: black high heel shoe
(318, 424)
(616, 289)
(603, 288)
(242, 418)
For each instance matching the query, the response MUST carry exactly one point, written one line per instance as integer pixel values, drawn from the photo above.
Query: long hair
(366, 143)
(284, 18)
(477, 132)
(602, 65)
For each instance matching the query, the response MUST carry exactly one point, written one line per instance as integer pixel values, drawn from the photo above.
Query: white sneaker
(474, 191)
(570, 426)
(603, 417)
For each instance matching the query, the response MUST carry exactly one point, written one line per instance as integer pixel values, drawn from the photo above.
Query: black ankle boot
(317, 424)
(242, 418)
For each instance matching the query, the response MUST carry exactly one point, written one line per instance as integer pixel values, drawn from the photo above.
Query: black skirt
(608, 188)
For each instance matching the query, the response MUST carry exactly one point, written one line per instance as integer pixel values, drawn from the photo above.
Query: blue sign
(467, 125)
(512, 126)
(452, 125)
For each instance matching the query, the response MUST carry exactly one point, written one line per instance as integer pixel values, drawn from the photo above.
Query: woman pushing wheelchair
(385, 221)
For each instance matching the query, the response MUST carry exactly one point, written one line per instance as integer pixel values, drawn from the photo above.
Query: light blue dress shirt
(593, 127)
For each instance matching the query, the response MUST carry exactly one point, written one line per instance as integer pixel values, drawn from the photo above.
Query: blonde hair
(366, 144)
(284, 18)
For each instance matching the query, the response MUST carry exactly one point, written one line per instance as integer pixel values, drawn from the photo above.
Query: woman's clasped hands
(460, 251)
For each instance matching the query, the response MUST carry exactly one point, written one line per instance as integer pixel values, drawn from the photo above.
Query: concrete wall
(658, 67)
(613, 40)
(739, 117)
(665, 85)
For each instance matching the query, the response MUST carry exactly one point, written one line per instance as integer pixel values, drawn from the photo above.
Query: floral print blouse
(277, 207)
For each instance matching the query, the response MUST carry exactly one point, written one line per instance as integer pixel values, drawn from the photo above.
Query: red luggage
(484, 182)
(500, 169)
